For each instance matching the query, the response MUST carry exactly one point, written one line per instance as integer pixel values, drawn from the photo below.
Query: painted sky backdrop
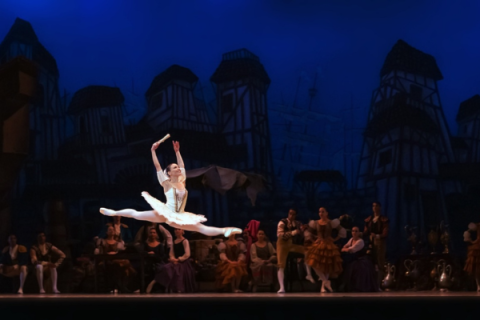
(111, 42)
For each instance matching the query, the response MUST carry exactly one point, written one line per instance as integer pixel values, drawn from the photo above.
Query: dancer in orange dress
(231, 267)
(472, 265)
(324, 256)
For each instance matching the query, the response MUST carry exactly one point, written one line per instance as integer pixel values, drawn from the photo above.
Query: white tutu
(181, 218)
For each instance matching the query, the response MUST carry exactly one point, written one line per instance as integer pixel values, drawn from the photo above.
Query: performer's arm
(33, 256)
(176, 147)
(186, 247)
(281, 231)
(60, 254)
(357, 246)
(384, 230)
(158, 167)
(168, 235)
(243, 250)
(253, 254)
(171, 254)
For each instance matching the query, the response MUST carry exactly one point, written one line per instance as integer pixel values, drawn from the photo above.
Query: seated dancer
(232, 266)
(143, 234)
(122, 232)
(118, 270)
(263, 259)
(324, 256)
(359, 271)
(41, 256)
(156, 259)
(173, 180)
(178, 276)
(13, 261)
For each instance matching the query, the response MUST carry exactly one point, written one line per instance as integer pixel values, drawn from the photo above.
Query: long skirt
(263, 274)
(177, 277)
(472, 265)
(360, 276)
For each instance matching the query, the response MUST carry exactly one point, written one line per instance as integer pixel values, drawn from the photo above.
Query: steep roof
(239, 64)
(406, 58)
(174, 72)
(22, 31)
(469, 108)
(95, 97)
(400, 114)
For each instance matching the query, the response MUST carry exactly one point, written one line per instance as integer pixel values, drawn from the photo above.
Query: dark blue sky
(111, 41)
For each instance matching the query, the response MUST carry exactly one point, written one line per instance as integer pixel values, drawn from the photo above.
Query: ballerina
(172, 212)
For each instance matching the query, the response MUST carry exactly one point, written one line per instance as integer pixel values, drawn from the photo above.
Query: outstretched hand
(176, 146)
(155, 146)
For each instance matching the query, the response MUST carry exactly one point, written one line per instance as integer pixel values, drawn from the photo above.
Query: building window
(416, 92)
(104, 122)
(384, 158)
(83, 127)
(227, 102)
(409, 191)
(157, 101)
(40, 97)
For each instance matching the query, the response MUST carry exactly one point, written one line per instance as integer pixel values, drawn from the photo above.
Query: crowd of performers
(359, 265)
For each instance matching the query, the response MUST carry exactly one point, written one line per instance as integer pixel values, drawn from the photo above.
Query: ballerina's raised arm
(176, 147)
(154, 156)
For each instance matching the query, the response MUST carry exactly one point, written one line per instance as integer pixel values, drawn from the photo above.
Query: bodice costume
(174, 209)
(12, 256)
(45, 253)
(472, 265)
(323, 255)
(262, 273)
(159, 254)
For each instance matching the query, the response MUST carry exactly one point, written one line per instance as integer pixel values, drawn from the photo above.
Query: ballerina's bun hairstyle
(167, 169)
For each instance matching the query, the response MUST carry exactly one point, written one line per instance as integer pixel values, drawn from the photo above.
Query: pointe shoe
(322, 289)
(56, 291)
(107, 212)
(42, 291)
(282, 290)
(230, 230)
(310, 278)
(327, 285)
(20, 291)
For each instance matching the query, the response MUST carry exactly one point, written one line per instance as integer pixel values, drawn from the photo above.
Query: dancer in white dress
(172, 212)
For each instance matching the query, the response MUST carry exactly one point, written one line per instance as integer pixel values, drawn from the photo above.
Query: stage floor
(249, 296)
(245, 306)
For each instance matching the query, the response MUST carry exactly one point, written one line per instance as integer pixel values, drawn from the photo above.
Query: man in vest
(376, 229)
(289, 239)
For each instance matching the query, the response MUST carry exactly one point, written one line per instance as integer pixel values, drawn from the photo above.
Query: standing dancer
(172, 212)
(324, 256)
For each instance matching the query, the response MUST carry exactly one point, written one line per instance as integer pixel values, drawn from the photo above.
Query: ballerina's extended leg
(150, 215)
(211, 231)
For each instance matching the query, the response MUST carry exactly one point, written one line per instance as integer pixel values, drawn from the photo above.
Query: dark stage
(394, 305)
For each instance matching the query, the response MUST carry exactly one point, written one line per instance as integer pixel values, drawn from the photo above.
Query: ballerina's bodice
(176, 198)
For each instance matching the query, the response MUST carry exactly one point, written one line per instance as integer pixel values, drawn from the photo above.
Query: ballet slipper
(310, 278)
(327, 285)
(107, 212)
(231, 230)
